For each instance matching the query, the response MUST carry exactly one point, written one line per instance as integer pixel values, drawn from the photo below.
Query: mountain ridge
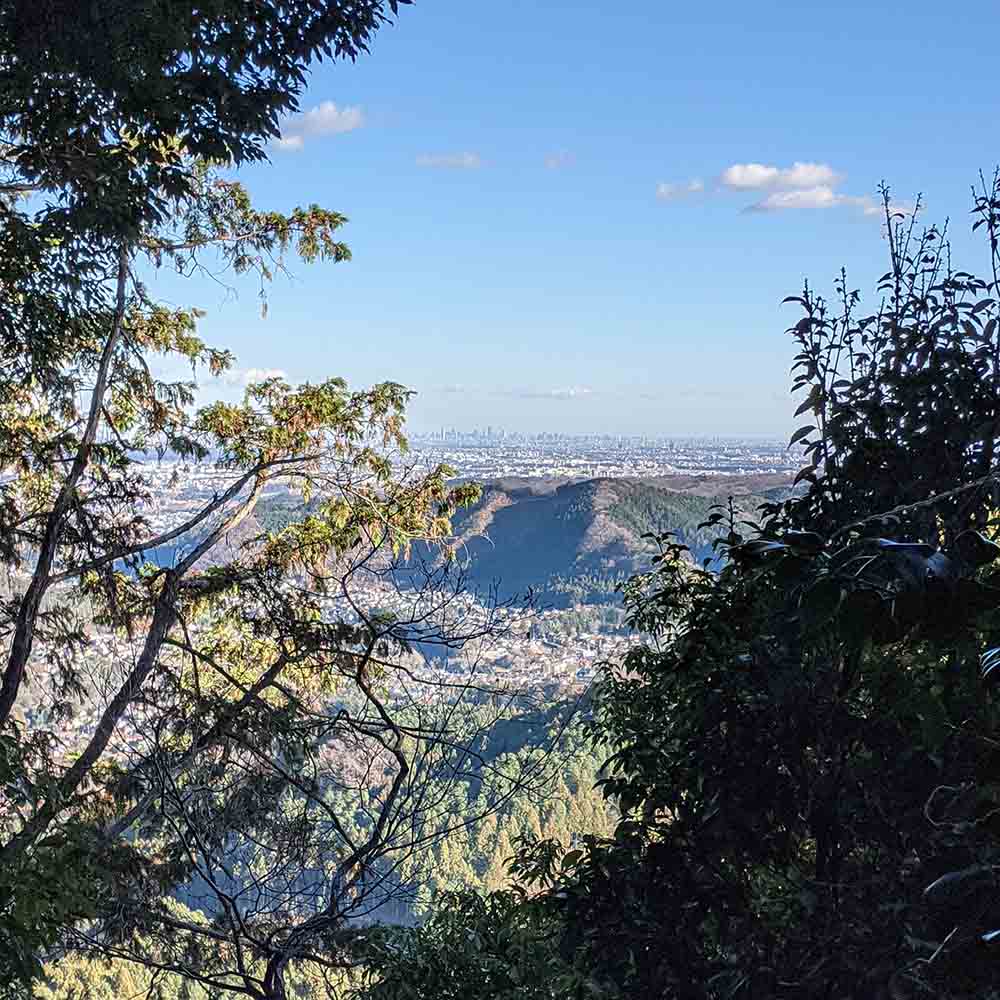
(575, 539)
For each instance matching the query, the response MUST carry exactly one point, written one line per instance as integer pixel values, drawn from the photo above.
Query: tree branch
(31, 602)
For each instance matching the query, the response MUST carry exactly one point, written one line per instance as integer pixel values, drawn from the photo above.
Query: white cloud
(248, 376)
(744, 176)
(821, 196)
(454, 161)
(671, 192)
(758, 176)
(324, 119)
(803, 185)
(328, 119)
(806, 175)
(572, 392)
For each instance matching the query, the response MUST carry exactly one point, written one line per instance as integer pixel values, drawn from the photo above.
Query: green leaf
(801, 433)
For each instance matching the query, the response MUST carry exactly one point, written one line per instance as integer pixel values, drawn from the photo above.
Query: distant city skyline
(499, 433)
(579, 215)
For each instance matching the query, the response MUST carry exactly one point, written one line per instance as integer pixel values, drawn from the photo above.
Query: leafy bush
(806, 759)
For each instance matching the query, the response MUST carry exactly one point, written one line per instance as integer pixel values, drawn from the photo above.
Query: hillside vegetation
(577, 541)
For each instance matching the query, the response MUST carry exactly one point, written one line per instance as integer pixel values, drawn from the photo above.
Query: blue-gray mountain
(574, 541)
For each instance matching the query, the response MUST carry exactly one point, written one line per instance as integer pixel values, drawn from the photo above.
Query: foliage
(474, 947)
(563, 807)
(644, 509)
(919, 378)
(469, 867)
(807, 746)
(94, 977)
(114, 105)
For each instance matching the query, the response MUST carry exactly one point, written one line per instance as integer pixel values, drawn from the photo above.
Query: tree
(805, 755)
(918, 377)
(474, 947)
(112, 106)
(253, 733)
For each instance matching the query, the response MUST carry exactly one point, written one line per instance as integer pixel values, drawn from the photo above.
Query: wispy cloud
(562, 393)
(821, 196)
(559, 393)
(324, 119)
(556, 161)
(571, 393)
(672, 192)
(248, 376)
(760, 176)
(668, 392)
(450, 161)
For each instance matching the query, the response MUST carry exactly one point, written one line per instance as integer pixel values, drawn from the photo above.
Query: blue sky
(551, 203)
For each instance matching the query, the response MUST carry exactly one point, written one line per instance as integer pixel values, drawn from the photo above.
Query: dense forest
(221, 771)
(577, 542)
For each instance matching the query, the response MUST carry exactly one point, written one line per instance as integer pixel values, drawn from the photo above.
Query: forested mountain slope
(573, 540)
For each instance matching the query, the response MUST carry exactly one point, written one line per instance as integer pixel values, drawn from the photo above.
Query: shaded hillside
(573, 541)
